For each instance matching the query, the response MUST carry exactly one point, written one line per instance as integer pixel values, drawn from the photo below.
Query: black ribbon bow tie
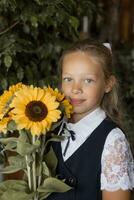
(69, 134)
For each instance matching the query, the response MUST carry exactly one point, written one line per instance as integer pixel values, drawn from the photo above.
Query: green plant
(124, 67)
(32, 36)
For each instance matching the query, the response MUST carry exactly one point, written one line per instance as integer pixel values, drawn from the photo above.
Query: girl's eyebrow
(81, 75)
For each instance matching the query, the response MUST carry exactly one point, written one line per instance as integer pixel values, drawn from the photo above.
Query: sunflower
(6, 97)
(3, 124)
(55, 92)
(14, 88)
(60, 97)
(67, 107)
(35, 109)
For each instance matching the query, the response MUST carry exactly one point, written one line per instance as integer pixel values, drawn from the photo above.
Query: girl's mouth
(76, 101)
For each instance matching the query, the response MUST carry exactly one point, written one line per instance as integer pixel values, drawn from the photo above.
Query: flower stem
(43, 140)
(29, 173)
(39, 180)
(34, 168)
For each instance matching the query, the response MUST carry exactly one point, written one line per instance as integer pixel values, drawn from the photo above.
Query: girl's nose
(76, 88)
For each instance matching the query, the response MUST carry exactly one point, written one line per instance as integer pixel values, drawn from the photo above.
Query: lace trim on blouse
(117, 163)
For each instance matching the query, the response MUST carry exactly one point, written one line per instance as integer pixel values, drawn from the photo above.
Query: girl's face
(83, 83)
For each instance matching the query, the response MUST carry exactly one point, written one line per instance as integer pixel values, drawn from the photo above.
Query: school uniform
(99, 158)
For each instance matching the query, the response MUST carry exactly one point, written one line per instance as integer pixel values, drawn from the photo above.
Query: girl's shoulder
(116, 134)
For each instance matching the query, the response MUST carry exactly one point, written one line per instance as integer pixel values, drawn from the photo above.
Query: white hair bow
(106, 44)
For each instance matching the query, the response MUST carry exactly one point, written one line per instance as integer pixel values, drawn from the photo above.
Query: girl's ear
(110, 83)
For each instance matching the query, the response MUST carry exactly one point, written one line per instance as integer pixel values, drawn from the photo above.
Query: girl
(97, 161)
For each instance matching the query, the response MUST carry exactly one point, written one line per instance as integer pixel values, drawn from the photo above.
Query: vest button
(71, 181)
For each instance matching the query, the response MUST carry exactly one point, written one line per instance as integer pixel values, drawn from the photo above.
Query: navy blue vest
(82, 169)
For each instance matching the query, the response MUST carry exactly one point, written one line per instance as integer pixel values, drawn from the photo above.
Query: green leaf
(24, 148)
(74, 22)
(4, 83)
(20, 73)
(38, 167)
(57, 138)
(10, 169)
(53, 185)
(39, 2)
(8, 61)
(55, 125)
(24, 135)
(7, 140)
(11, 126)
(13, 194)
(51, 161)
(11, 146)
(34, 21)
(45, 169)
(19, 185)
(54, 138)
(17, 161)
(28, 73)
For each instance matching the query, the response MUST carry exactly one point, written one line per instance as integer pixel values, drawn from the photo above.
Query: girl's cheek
(65, 89)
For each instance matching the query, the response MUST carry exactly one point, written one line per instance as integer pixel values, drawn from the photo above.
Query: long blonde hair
(110, 102)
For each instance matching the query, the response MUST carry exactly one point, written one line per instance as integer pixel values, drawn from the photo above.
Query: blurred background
(34, 33)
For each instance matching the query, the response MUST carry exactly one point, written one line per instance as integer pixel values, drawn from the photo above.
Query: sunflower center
(36, 111)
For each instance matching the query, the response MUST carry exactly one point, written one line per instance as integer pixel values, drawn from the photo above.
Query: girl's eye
(67, 79)
(88, 80)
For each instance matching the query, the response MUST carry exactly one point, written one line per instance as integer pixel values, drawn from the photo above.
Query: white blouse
(117, 163)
